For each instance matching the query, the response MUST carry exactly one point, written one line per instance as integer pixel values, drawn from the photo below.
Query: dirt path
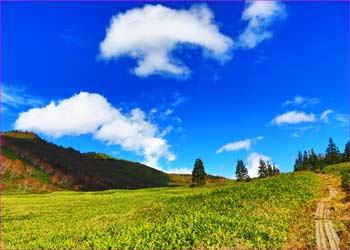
(326, 237)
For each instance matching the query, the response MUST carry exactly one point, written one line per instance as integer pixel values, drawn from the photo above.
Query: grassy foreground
(275, 212)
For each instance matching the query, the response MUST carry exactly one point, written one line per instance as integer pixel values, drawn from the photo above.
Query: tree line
(265, 170)
(309, 160)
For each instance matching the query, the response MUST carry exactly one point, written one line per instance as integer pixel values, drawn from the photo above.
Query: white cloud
(150, 35)
(16, 96)
(324, 115)
(91, 113)
(253, 163)
(238, 145)
(179, 171)
(293, 117)
(298, 100)
(167, 130)
(342, 118)
(260, 16)
(80, 114)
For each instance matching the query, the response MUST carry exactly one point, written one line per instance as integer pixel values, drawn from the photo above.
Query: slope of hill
(271, 213)
(31, 163)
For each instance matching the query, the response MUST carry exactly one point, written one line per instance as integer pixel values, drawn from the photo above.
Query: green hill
(33, 164)
(271, 213)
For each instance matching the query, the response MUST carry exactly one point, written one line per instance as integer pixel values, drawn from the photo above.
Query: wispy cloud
(301, 101)
(89, 113)
(260, 16)
(179, 171)
(239, 145)
(325, 114)
(16, 96)
(151, 33)
(293, 117)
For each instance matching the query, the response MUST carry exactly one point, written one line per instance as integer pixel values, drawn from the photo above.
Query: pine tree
(275, 170)
(332, 153)
(198, 173)
(346, 154)
(305, 163)
(262, 172)
(269, 169)
(313, 160)
(298, 162)
(241, 171)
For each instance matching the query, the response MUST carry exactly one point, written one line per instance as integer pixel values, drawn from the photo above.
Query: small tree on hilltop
(298, 162)
(332, 153)
(275, 170)
(346, 154)
(313, 160)
(198, 173)
(262, 172)
(241, 171)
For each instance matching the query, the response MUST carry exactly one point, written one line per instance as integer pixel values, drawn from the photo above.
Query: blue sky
(164, 84)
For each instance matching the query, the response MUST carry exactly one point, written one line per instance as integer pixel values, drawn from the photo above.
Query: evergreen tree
(298, 162)
(346, 154)
(332, 153)
(275, 170)
(241, 171)
(269, 169)
(313, 160)
(305, 164)
(198, 173)
(262, 172)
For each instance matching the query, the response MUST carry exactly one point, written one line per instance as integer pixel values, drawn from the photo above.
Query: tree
(346, 154)
(262, 172)
(198, 173)
(241, 171)
(332, 153)
(298, 162)
(313, 160)
(269, 169)
(275, 170)
(305, 164)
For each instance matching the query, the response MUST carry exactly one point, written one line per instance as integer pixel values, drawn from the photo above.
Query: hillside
(33, 164)
(272, 213)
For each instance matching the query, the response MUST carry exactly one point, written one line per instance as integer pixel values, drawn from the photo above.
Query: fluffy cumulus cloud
(253, 163)
(92, 113)
(150, 34)
(293, 117)
(238, 145)
(260, 16)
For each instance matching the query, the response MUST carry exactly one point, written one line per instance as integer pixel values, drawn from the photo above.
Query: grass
(342, 170)
(267, 213)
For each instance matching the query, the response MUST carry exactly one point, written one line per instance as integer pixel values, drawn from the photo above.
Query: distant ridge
(28, 159)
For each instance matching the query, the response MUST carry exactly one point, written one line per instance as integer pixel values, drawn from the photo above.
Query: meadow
(276, 212)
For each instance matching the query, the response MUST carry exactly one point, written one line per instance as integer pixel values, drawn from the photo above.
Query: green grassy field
(275, 212)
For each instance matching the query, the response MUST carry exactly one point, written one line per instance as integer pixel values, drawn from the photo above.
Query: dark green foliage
(298, 162)
(346, 154)
(198, 173)
(311, 161)
(266, 169)
(275, 170)
(332, 153)
(262, 172)
(306, 163)
(90, 171)
(241, 171)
